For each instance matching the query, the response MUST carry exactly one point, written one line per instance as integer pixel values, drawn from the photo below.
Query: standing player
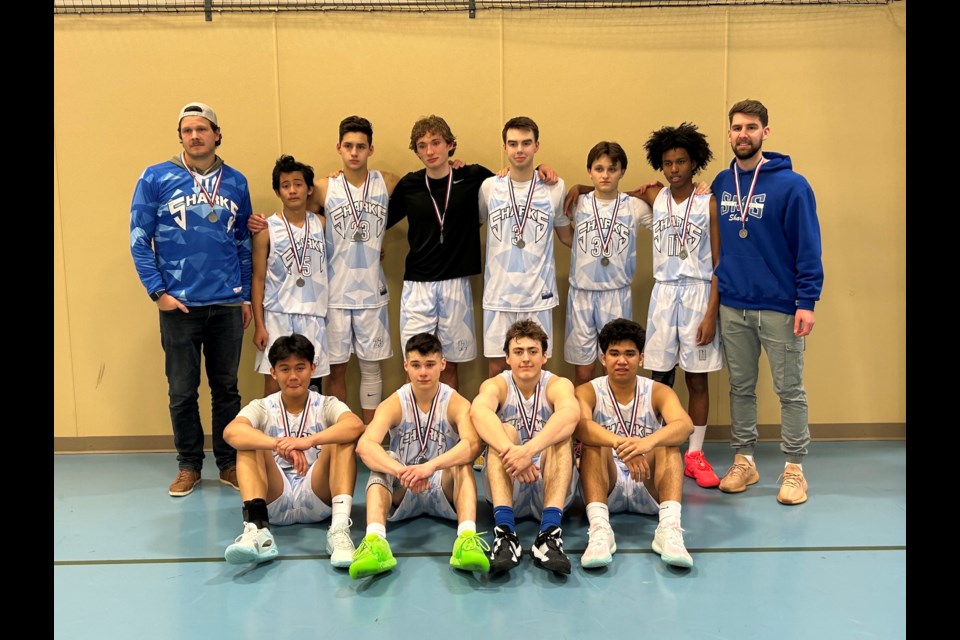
(442, 208)
(526, 416)
(355, 204)
(520, 276)
(631, 461)
(603, 259)
(289, 275)
(427, 467)
(188, 237)
(682, 316)
(295, 460)
(769, 279)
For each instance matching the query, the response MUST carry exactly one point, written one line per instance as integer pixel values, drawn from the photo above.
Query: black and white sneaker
(548, 552)
(506, 550)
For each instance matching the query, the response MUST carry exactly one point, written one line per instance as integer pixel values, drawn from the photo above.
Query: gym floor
(132, 562)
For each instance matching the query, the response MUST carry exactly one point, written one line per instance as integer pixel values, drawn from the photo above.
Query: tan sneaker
(742, 474)
(184, 483)
(794, 487)
(229, 478)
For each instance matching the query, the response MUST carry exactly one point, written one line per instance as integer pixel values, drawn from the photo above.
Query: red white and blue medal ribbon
(355, 213)
(753, 184)
(621, 423)
(529, 424)
(682, 232)
(300, 258)
(446, 201)
(423, 435)
(303, 418)
(515, 210)
(605, 242)
(212, 201)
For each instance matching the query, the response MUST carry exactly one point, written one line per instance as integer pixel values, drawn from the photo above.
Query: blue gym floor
(132, 562)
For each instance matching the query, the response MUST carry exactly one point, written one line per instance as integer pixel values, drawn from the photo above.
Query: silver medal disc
(421, 460)
(212, 217)
(358, 237)
(743, 233)
(300, 282)
(683, 254)
(604, 260)
(521, 244)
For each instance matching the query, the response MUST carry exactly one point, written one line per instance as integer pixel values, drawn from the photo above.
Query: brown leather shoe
(229, 478)
(740, 475)
(184, 483)
(794, 487)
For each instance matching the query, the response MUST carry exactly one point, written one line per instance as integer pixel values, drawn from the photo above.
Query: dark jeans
(217, 331)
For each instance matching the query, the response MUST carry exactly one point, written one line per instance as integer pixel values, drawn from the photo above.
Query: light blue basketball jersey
(587, 270)
(435, 434)
(353, 250)
(281, 293)
(605, 411)
(509, 411)
(515, 278)
(667, 264)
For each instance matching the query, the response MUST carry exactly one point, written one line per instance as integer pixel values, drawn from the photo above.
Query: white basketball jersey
(422, 434)
(625, 423)
(281, 293)
(356, 221)
(605, 258)
(520, 272)
(536, 409)
(666, 229)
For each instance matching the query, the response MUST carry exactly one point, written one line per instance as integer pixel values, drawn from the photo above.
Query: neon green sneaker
(373, 556)
(470, 553)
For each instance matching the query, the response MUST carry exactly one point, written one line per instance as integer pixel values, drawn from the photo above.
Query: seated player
(630, 461)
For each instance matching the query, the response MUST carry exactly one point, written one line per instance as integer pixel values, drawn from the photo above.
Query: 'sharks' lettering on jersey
(410, 442)
(729, 208)
(663, 230)
(502, 220)
(591, 245)
(178, 208)
(374, 218)
(312, 245)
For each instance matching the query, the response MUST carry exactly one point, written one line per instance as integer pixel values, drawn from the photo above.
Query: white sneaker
(253, 545)
(668, 542)
(340, 546)
(600, 548)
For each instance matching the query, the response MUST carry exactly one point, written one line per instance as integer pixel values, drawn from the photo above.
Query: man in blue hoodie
(769, 278)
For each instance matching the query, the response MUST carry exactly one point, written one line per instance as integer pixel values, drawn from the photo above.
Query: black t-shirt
(458, 255)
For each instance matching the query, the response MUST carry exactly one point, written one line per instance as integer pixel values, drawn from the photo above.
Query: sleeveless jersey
(509, 412)
(667, 264)
(587, 270)
(281, 293)
(354, 239)
(605, 411)
(521, 279)
(434, 436)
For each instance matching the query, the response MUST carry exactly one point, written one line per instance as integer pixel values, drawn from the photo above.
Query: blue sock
(503, 517)
(550, 518)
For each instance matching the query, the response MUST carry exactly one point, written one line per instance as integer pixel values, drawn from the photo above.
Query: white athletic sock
(696, 438)
(379, 529)
(341, 509)
(371, 384)
(467, 525)
(598, 513)
(669, 509)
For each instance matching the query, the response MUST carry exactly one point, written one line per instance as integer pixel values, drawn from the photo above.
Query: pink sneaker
(695, 466)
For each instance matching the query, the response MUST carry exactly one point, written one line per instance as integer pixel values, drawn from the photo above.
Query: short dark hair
(356, 124)
(526, 328)
(686, 137)
(292, 345)
(751, 108)
(621, 330)
(521, 122)
(424, 344)
(289, 164)
(435, 125)
(610, 149)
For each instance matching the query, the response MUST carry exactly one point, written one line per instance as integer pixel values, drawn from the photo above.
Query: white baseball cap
(198, 109)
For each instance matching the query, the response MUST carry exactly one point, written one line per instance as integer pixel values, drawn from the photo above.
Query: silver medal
(521, 244)
(604, 260)
(212, 217)
(421, 460)
(743, 232)
(683, 254)
(441, 237)
(358, 237)
(300, 282)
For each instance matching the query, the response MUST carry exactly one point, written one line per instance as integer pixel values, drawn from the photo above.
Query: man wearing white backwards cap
(189, 240)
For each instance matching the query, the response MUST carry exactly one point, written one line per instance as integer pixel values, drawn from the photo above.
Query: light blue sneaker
(253, 545)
